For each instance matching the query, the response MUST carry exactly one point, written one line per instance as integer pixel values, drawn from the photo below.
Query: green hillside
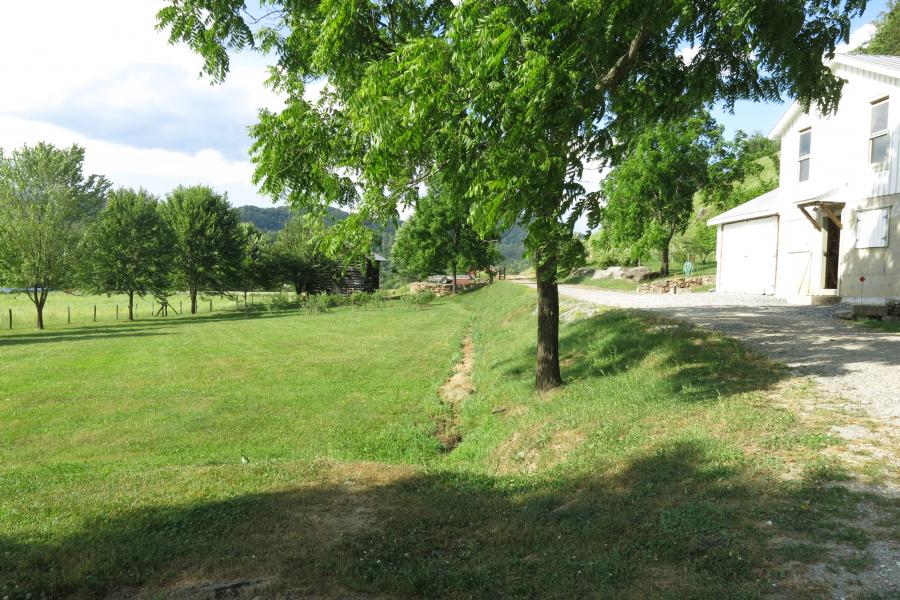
(273, 218)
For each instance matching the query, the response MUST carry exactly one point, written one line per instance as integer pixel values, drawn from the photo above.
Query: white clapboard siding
(840, 141)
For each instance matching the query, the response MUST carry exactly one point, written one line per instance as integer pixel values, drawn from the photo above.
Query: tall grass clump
(421, 299)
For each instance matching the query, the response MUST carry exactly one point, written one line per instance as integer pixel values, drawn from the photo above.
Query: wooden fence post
(69, 315)
(95, 313)
(117, 312)
(180, 308)
(10, 318)
(210, 305)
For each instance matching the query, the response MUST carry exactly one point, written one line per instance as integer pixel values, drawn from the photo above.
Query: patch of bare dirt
(453, 392)
(869, 450)
(528, 451)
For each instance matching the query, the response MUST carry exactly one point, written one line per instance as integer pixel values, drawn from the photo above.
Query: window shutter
(872, 228)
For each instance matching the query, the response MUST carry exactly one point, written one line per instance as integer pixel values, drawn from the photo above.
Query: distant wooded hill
(273, 218)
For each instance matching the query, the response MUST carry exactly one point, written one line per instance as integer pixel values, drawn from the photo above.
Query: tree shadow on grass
(138, 328)
(674, 523)
(698, 364)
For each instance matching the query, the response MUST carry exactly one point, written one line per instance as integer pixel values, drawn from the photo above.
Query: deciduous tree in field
(700, 239)
(45, 201)
(128, 248)
(650, 193)
(207, 250)
(439, 236)
(507, 99)
(256, 258)
(296, 253)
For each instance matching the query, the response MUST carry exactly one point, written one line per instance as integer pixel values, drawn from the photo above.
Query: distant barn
(361, 277)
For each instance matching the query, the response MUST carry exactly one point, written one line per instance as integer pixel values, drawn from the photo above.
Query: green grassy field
(64, 308)
(667, 467)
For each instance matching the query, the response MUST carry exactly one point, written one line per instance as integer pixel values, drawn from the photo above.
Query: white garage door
(748, 256)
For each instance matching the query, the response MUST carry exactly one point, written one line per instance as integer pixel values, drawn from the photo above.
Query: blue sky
(101, 76)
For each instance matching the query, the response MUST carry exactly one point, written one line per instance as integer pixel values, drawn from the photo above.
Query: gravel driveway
(859, 364)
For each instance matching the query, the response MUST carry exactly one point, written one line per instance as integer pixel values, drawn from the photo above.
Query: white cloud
(858, 37)
(155, 169)
(99, 74)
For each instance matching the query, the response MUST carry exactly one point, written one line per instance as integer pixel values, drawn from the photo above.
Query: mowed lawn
(64, 308)
(670, 466)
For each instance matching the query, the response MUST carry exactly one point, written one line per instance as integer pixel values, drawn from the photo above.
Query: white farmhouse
(832, 227)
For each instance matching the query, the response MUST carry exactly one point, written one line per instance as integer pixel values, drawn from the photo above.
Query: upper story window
(879, 139)
(805, 147)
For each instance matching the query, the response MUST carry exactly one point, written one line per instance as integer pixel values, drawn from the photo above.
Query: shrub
(318, 303)
(379, 297)
(281, 301)
(358, 299)
(420, 299)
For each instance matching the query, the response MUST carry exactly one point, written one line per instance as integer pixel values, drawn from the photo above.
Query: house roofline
(750, 216)
(848, 60)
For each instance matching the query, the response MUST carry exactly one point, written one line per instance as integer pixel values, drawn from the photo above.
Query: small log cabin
(363, 277)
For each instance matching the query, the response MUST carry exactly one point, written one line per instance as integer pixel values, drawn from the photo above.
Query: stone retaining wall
(443, 289)
(676, 285)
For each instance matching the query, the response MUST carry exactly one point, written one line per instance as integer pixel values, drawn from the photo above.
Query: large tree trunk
(547, 373)
(664, 269)
(39, 299)
(130, 306)
(454, 277)
(193, 300)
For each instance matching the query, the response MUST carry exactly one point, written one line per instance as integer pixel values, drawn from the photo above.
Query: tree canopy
(650, 193)
(45, 201)
(297, 254)
(439, 237)
(207, 240)
(887, 35)
(508, 101)
(128, 248)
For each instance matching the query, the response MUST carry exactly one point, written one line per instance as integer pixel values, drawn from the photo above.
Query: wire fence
(61, 309)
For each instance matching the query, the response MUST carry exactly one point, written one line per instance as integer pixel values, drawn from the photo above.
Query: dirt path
(855, 363)
(456, 389)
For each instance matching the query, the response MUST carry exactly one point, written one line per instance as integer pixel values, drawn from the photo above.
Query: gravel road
(856, 363)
